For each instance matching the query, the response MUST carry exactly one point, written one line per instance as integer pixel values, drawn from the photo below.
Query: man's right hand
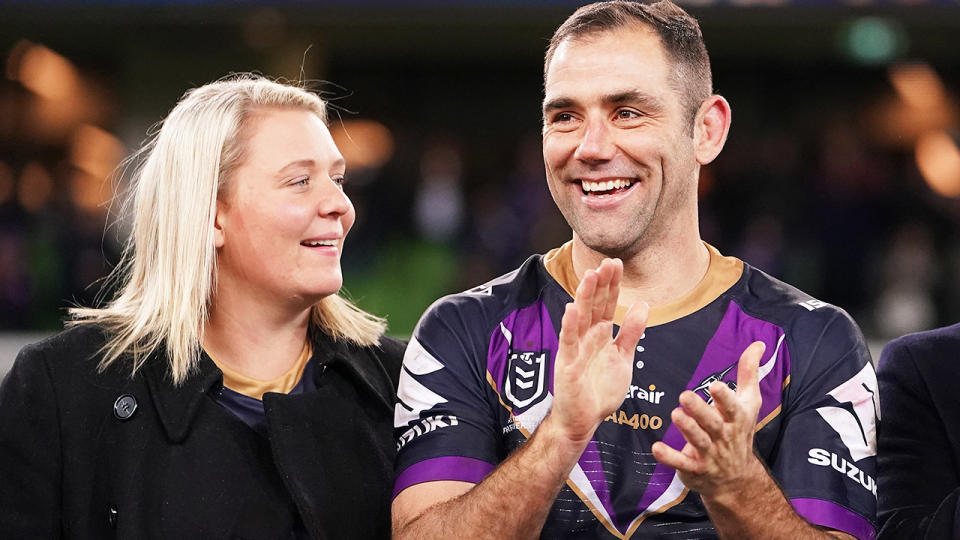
(591, 376)
(593, 370)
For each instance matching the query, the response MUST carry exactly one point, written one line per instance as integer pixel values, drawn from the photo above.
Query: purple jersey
(478, 380)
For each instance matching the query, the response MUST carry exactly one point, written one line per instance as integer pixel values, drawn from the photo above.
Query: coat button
(112, 516)
(124, 407)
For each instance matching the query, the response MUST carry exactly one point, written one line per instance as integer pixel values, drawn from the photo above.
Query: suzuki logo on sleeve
(526, 378)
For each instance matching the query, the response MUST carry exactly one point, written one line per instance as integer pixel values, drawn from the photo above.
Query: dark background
(840, 174)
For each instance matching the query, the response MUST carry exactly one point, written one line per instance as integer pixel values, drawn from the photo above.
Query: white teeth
(589, 186)
(318, 243)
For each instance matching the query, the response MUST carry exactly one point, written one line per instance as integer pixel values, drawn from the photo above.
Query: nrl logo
(525, 382)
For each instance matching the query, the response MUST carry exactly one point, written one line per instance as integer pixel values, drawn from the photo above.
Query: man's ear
(217, 226)
(710, 128)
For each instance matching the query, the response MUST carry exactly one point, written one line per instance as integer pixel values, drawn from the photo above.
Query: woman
(227, 391)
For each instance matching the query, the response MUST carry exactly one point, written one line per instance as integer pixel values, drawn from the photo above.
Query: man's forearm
(759, 510)
(512, 502)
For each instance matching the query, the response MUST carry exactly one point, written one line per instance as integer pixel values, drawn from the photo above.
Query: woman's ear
(218, 226)
(710, 128)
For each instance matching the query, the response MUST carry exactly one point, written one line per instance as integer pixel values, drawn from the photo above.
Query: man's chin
(619, 248)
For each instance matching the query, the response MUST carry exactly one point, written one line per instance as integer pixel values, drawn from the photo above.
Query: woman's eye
(339, 179)
(303, 181)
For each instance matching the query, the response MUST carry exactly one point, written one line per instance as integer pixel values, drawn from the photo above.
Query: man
(508, 429)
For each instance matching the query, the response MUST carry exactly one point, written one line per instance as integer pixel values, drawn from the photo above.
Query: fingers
(597, 338)
(598, 292)
(586, 292)
(748, 384)
(725, 401)
(615, 268)
(707, 417)
(615, 279)
(672, 458)
(692, 430)
(633, 326)
(569, 339)
(602, 297)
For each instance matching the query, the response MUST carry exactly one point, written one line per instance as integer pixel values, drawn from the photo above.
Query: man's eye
(563, 117)
(626, 114)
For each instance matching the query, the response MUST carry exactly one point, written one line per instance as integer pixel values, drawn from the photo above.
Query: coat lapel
(177, 406)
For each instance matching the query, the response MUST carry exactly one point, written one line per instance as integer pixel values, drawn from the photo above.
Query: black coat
(918, 454)
(182, 466)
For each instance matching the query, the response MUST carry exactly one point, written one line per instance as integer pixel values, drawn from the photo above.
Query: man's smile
(605, 187)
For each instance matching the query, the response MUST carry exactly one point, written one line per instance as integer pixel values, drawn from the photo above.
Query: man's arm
(591, 376)
(718, 461)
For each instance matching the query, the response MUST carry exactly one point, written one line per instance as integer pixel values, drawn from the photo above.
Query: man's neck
(658, 274)
(254, 338)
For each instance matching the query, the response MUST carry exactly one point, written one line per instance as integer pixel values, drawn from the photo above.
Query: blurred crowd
(820, 184)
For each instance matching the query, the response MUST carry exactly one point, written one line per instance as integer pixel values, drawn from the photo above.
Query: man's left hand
(719, 451)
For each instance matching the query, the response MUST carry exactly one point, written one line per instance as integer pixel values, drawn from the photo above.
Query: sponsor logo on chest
(649, 393)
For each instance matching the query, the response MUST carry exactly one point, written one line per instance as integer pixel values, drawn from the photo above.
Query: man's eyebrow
(557, 103)
(635, 97)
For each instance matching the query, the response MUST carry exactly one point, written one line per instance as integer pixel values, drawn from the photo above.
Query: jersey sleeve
(825, 459)
(919, 477)
(444, 422)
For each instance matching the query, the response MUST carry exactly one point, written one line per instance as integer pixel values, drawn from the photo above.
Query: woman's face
(283, 215)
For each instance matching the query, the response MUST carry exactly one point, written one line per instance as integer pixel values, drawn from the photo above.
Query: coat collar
(360, 364)
(177, 406)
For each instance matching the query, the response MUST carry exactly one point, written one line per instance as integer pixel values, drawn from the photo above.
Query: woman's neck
(254, 338)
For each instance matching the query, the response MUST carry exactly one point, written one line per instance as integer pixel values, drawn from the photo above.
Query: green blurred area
(402, 282)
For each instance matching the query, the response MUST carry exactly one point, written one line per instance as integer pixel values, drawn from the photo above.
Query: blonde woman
(227, 391)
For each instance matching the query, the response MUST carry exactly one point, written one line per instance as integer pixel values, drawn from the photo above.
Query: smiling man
(727, 404)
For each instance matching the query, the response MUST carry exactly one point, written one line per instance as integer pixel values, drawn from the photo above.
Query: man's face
(617, 141)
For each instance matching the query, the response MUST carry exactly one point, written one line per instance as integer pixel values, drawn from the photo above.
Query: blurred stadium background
(841, 174)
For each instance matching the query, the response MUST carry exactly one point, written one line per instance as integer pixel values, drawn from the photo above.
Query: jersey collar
(722, 273)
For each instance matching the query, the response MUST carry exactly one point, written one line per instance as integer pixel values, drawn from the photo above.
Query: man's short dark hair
(679, 33)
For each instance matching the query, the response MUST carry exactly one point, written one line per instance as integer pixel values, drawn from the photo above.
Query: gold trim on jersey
(722, 273)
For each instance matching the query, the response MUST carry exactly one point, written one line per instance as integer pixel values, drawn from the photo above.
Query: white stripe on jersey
(765, 369)
(859, 434)
(414, 397)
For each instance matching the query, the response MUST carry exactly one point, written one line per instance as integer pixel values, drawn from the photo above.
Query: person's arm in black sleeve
(918, 486)
(29, 451)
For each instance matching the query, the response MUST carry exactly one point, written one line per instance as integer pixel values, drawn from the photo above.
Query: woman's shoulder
(388, 352)
(75, 350)
(392, 357)
(73, 339)
(378, 364)
(392, 348)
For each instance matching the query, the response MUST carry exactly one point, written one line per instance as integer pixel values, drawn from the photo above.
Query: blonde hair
(167, 272)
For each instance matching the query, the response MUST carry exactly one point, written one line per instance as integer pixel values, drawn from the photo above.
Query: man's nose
(597, 142)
